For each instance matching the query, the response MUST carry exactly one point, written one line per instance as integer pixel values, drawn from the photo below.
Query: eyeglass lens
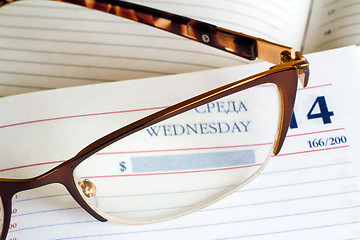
(185, 162)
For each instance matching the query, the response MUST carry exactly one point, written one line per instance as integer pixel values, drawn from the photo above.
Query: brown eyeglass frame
(292, 66)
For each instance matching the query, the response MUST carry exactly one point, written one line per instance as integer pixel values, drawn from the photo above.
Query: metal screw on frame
(205, 38)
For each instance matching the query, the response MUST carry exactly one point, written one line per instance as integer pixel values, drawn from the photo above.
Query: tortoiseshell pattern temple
(239, 44)
(236, 43)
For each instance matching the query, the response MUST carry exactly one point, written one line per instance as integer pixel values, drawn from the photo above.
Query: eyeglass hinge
(274, 53)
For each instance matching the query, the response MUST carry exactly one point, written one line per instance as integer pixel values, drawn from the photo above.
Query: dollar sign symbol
(122, 166)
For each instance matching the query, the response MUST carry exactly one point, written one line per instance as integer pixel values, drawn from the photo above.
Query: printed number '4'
(324, 113)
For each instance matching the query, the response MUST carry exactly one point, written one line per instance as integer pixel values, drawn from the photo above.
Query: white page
(306, 192)
(46, 45)
(332, 24)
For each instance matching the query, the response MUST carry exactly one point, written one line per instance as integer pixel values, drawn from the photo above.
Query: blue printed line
(305, 168)
(297, 169)
(244, 205)
(223, 223)
(37, 198)
(52, 225)
(154, 209)
(296, 184)
(283, 200)
(291, 230)
(45, 211)
(327, 210)
(165, 193)
(211, 209)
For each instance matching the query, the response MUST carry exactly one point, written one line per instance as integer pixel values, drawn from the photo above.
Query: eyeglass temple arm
(233, 42)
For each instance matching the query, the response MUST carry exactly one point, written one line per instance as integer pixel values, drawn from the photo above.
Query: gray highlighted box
(198, 161)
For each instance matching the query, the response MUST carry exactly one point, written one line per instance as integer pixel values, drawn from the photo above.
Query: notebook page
(46, 45)
(333, 24)
(310, 190)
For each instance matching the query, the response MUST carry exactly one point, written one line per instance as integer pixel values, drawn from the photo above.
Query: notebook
(46, 44)
(310, 190)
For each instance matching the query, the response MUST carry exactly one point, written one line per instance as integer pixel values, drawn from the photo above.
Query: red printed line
(115, 112)
(311, 151)
(193, 149)
(185, 149)
(319, 86)
(279, 155)
(78, 116)
(30, 165)
(310, 133)
(163, 150)
(168, 173)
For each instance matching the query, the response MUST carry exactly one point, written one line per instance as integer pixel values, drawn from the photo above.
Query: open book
(46, 45)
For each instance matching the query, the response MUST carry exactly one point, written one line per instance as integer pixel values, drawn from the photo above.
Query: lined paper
(304, 192)
(46, 45)
(333, 24)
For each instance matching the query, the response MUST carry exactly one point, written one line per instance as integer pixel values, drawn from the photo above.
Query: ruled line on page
(94, 31)
(337, 164)
(322, 180)
(198, 226)
(72, 65)
(340, 38)
(219, 12)
(333, 25)
(47, 211)
(339, 18)
(251, 189)
(316, 132)
(106, 56)
(97, 24)
(292, 230)
(24, 86)
(209, 209)
(311, 151)
(236, 8)
(322, 196)
(216, 8)
(207, 19)
(186, 149)
(121, 20)
(90, 20)
(288, 199)
(52, 76)
(350, 5)
(246, 236)
(239, 192)
(248, 17)
(330, 3)
(165, 150)
(177, 50)
(117, 112)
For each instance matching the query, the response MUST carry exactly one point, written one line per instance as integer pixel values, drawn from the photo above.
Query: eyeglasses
(186, 156)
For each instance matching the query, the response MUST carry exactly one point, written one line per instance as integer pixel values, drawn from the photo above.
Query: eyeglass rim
(290, 62)
(63, 173)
